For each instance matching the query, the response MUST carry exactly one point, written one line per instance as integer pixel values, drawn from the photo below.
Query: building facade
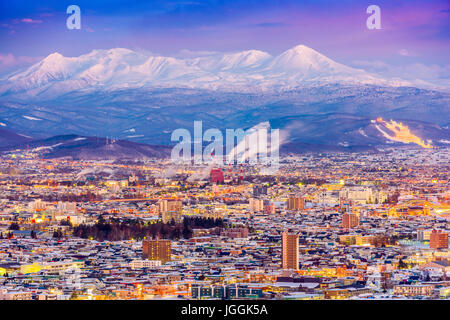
(157, 250)
(290, 250)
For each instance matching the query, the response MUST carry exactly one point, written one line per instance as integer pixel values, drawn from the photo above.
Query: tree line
(117, 229)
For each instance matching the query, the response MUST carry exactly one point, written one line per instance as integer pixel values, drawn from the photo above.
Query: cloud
(418, 73)
(10, 27)
(8, 62)
(15, 22)
(8, 59)
(31, 21)
(269, 25)
(406, 53)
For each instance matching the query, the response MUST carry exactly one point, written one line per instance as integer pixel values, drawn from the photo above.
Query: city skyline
(356, 226)
(225, 156)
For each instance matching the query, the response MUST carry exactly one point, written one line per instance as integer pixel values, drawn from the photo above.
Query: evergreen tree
(14, 226)
(402, 264)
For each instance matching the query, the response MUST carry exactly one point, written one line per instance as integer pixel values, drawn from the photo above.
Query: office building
(216, 176)
(290, 250)
(350, 220)
(170, 210)
(256, 205)
(157, 250)
(438, 239)
(259, 191)
(296, 203)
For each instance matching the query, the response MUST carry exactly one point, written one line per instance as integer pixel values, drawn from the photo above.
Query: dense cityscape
(224, 159)
(324, 226)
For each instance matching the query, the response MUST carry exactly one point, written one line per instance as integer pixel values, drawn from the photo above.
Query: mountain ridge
(300, 134)
(88, 148)
(241, 71)
(144, 97)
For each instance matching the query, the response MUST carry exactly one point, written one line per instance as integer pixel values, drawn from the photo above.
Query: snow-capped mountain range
(142, 97)
(247, 71)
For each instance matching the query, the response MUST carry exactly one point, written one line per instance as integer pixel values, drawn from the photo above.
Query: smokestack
(242, 173)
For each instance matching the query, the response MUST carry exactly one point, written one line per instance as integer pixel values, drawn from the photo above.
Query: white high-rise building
(256, 205)
(66, 207)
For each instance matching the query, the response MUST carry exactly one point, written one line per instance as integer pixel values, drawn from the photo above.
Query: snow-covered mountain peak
(53, 57)
(303, 58)
(55, 67)
(249, 58)
(302, 50)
